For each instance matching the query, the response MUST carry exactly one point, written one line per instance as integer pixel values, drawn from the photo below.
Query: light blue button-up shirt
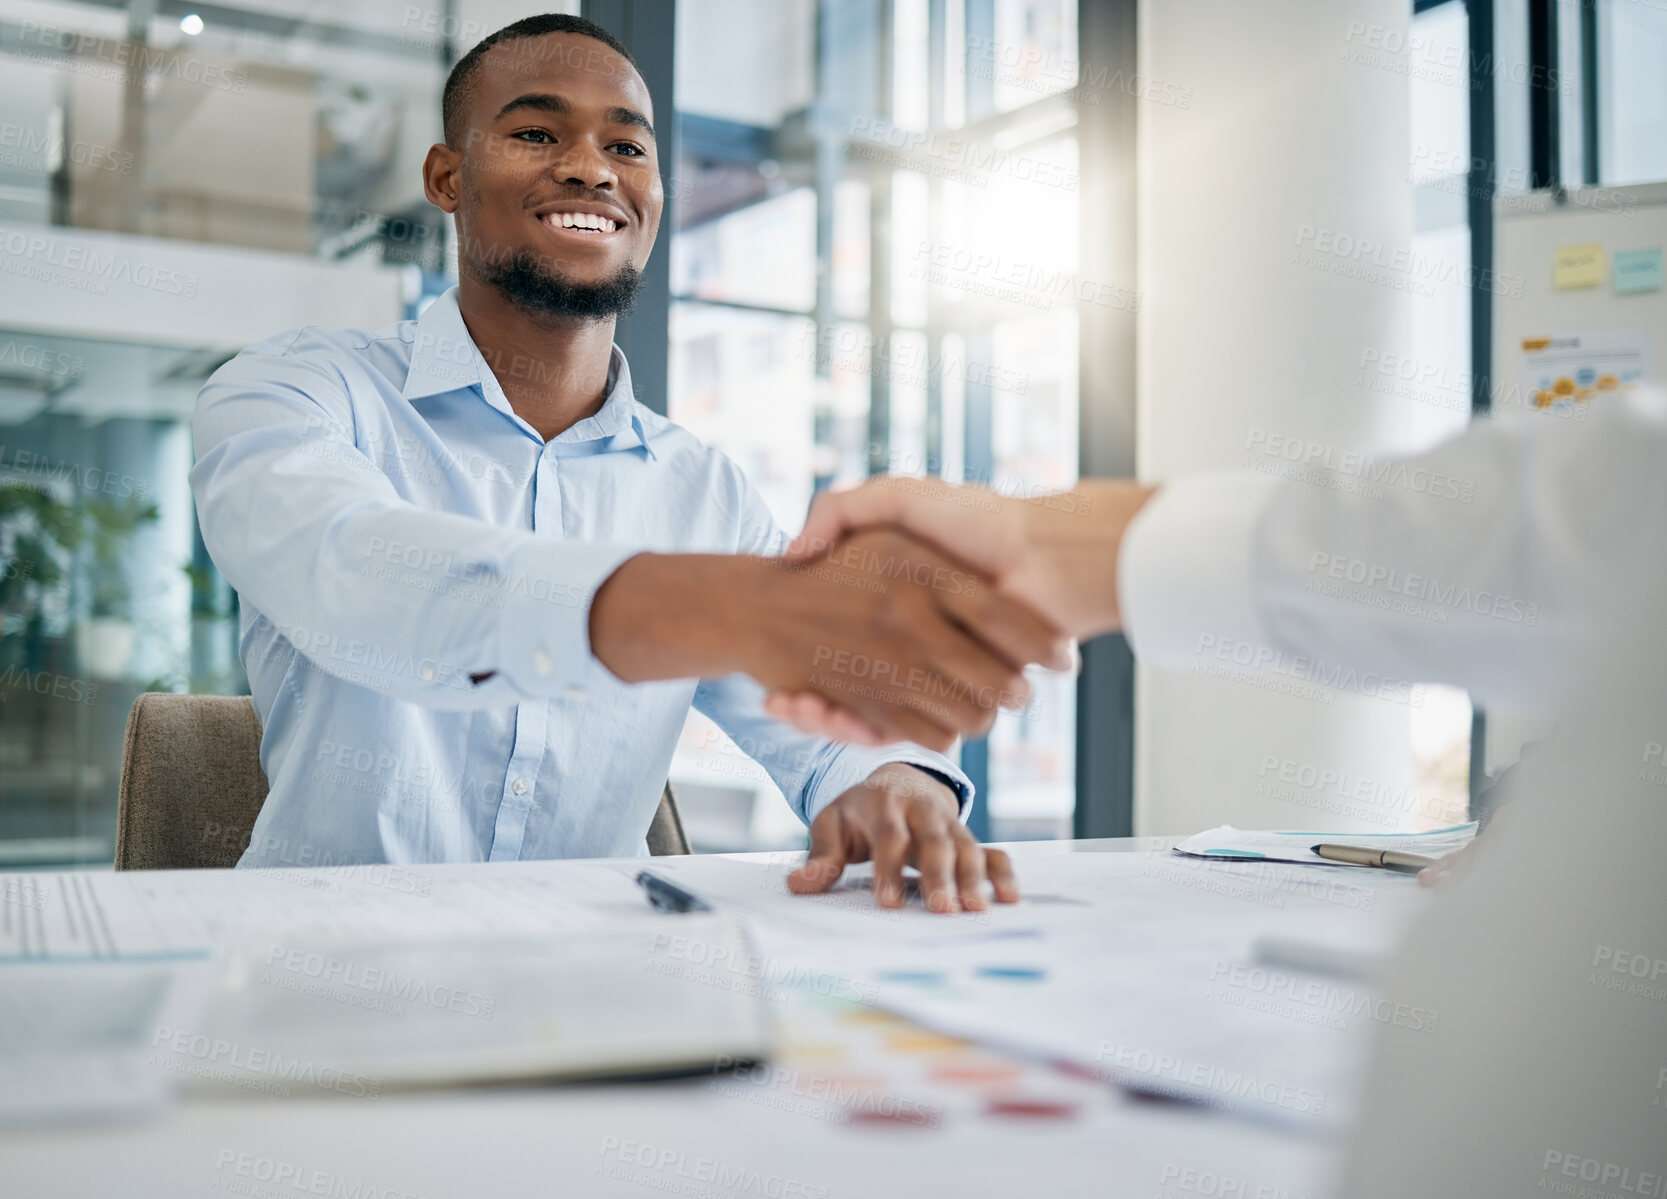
(393, 530)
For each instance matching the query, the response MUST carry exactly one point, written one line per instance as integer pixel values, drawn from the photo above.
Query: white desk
(692, 1138)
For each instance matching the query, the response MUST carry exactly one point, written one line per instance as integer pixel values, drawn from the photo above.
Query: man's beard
(528, 283)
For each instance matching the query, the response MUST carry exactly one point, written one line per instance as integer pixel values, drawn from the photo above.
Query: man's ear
(442, 171)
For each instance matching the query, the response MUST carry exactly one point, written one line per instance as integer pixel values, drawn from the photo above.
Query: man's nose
(586, 166)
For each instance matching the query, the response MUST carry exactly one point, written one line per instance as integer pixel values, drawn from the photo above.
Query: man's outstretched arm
(448, 611)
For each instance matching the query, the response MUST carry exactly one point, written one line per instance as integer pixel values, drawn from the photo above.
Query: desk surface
(702, 1137)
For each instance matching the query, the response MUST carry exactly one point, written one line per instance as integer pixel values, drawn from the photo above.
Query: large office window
(873, 271)
(1587, 80)
(1631, 92)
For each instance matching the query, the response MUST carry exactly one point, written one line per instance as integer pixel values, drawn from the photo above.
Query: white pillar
(1254, 319)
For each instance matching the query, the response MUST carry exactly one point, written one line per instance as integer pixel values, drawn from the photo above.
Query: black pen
(669, 897)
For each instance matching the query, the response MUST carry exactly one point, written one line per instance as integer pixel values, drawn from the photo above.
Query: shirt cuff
(1185, 569)
(854, 763)
(544, 631)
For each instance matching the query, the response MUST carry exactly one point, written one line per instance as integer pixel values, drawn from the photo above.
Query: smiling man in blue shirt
(480, 581)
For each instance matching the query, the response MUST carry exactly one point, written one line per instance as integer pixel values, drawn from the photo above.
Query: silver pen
(1387, 859)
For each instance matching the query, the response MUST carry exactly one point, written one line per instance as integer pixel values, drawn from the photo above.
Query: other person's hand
(1456, 865)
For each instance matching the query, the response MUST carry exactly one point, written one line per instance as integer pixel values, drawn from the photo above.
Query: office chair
(192, 785)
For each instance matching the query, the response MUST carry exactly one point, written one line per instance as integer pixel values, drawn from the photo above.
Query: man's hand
(902, 816)
(909, 643)
(1056, 554)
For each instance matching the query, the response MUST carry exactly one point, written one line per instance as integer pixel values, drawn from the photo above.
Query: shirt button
(519, 786)
(575, 691)
(427, 672)
(543, 664)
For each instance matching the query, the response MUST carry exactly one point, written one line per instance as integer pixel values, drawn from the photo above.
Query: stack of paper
(125, 986)
(1277, 845)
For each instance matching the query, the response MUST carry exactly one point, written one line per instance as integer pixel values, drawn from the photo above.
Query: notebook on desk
(641, 998)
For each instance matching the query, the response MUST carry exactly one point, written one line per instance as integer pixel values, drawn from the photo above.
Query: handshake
(908, 609)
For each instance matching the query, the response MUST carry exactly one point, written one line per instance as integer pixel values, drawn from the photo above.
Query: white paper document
(757, 886)
(1279, 845)
(1160, 990)
(175, 914)
(1137, 968)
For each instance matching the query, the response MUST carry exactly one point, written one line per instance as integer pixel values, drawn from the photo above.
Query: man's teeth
(581, 220)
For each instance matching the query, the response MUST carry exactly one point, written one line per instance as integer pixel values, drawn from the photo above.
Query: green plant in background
(38, 533)
(211, 665)
(39, 537)
(211, 599)
(109, 527)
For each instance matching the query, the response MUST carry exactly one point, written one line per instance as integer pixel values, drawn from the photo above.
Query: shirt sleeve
(811, 771)
(409, 601)
(1184, 569)
(1477, 564)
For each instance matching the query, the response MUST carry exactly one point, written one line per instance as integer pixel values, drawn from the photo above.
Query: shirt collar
(444, 358)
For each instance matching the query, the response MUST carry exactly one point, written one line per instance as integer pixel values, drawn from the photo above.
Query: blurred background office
(1002, 241)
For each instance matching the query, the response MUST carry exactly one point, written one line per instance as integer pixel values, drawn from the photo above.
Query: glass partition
(246, 127)
(288, 130)
(106, 591)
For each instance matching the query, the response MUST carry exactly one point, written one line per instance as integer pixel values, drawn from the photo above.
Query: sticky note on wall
(1637, 270)
(1577, 266)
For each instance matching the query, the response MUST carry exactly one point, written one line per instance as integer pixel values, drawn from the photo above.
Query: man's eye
(539, 134)
(629, 149)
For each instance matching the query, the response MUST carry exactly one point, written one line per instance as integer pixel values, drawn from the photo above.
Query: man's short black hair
(461, 80)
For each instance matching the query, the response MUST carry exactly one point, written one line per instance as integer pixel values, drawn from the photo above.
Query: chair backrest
(665, 831)
(191, 782)
(192, 785)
